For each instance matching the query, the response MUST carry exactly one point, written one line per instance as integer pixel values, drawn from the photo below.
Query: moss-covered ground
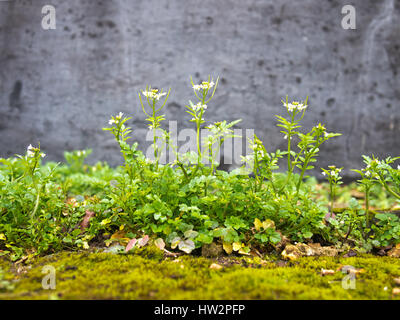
(147, 274)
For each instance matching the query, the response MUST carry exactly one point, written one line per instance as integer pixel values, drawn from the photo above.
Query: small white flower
(285, 137)
(398, 167)
(323, 173)
(291, 107)
(159, 95)
(30, 151)
(199, 106)
(116, 119)
(368, 173)
(260, 154)
(204, 85)
(295, 106)
(153, 94)
(42, 155)
(301, 107)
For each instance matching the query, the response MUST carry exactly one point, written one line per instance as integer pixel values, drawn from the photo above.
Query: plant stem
(367, 188)
(332, 189)
(36, 203)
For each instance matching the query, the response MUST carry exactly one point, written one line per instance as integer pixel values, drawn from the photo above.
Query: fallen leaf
(143, 241)
(160, 244)
(170, 254)
(118, 235)
(325, 272)
(244, 250)
(130, 244)
(396, 291)
(227, 247)
(350, 270)
(381, 253)
(236, 246)
(86, 218)
(292, 252)
(216, 266)
(394, 252)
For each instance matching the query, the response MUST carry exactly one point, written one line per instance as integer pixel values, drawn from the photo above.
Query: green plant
(152, 97)
(332, 174)
(197, 111)
(188, 202)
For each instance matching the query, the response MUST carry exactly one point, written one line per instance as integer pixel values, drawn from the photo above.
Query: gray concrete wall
(60, 86)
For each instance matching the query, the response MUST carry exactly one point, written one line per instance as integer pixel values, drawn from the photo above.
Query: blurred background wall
(60, 86)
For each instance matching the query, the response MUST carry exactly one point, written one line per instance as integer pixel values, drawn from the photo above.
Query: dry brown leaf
(170, 254)
(216, 266)
(394, 252)
(227, 247)
(86, 218)
(325, 272)
(130, 245)
(396, 291)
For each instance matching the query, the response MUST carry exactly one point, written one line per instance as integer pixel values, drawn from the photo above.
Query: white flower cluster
(154, 94)
(195, 119)
(373, 163)
(295, 106)
(334, 173)
(260, 154)
(116, 119)
(81, 153)
(31, 152)
(369, 169)
(199, 106)
(204, 85)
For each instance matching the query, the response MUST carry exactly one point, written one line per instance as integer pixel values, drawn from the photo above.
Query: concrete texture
(60, 86)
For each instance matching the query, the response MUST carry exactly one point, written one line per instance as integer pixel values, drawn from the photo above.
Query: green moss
(147, 275)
